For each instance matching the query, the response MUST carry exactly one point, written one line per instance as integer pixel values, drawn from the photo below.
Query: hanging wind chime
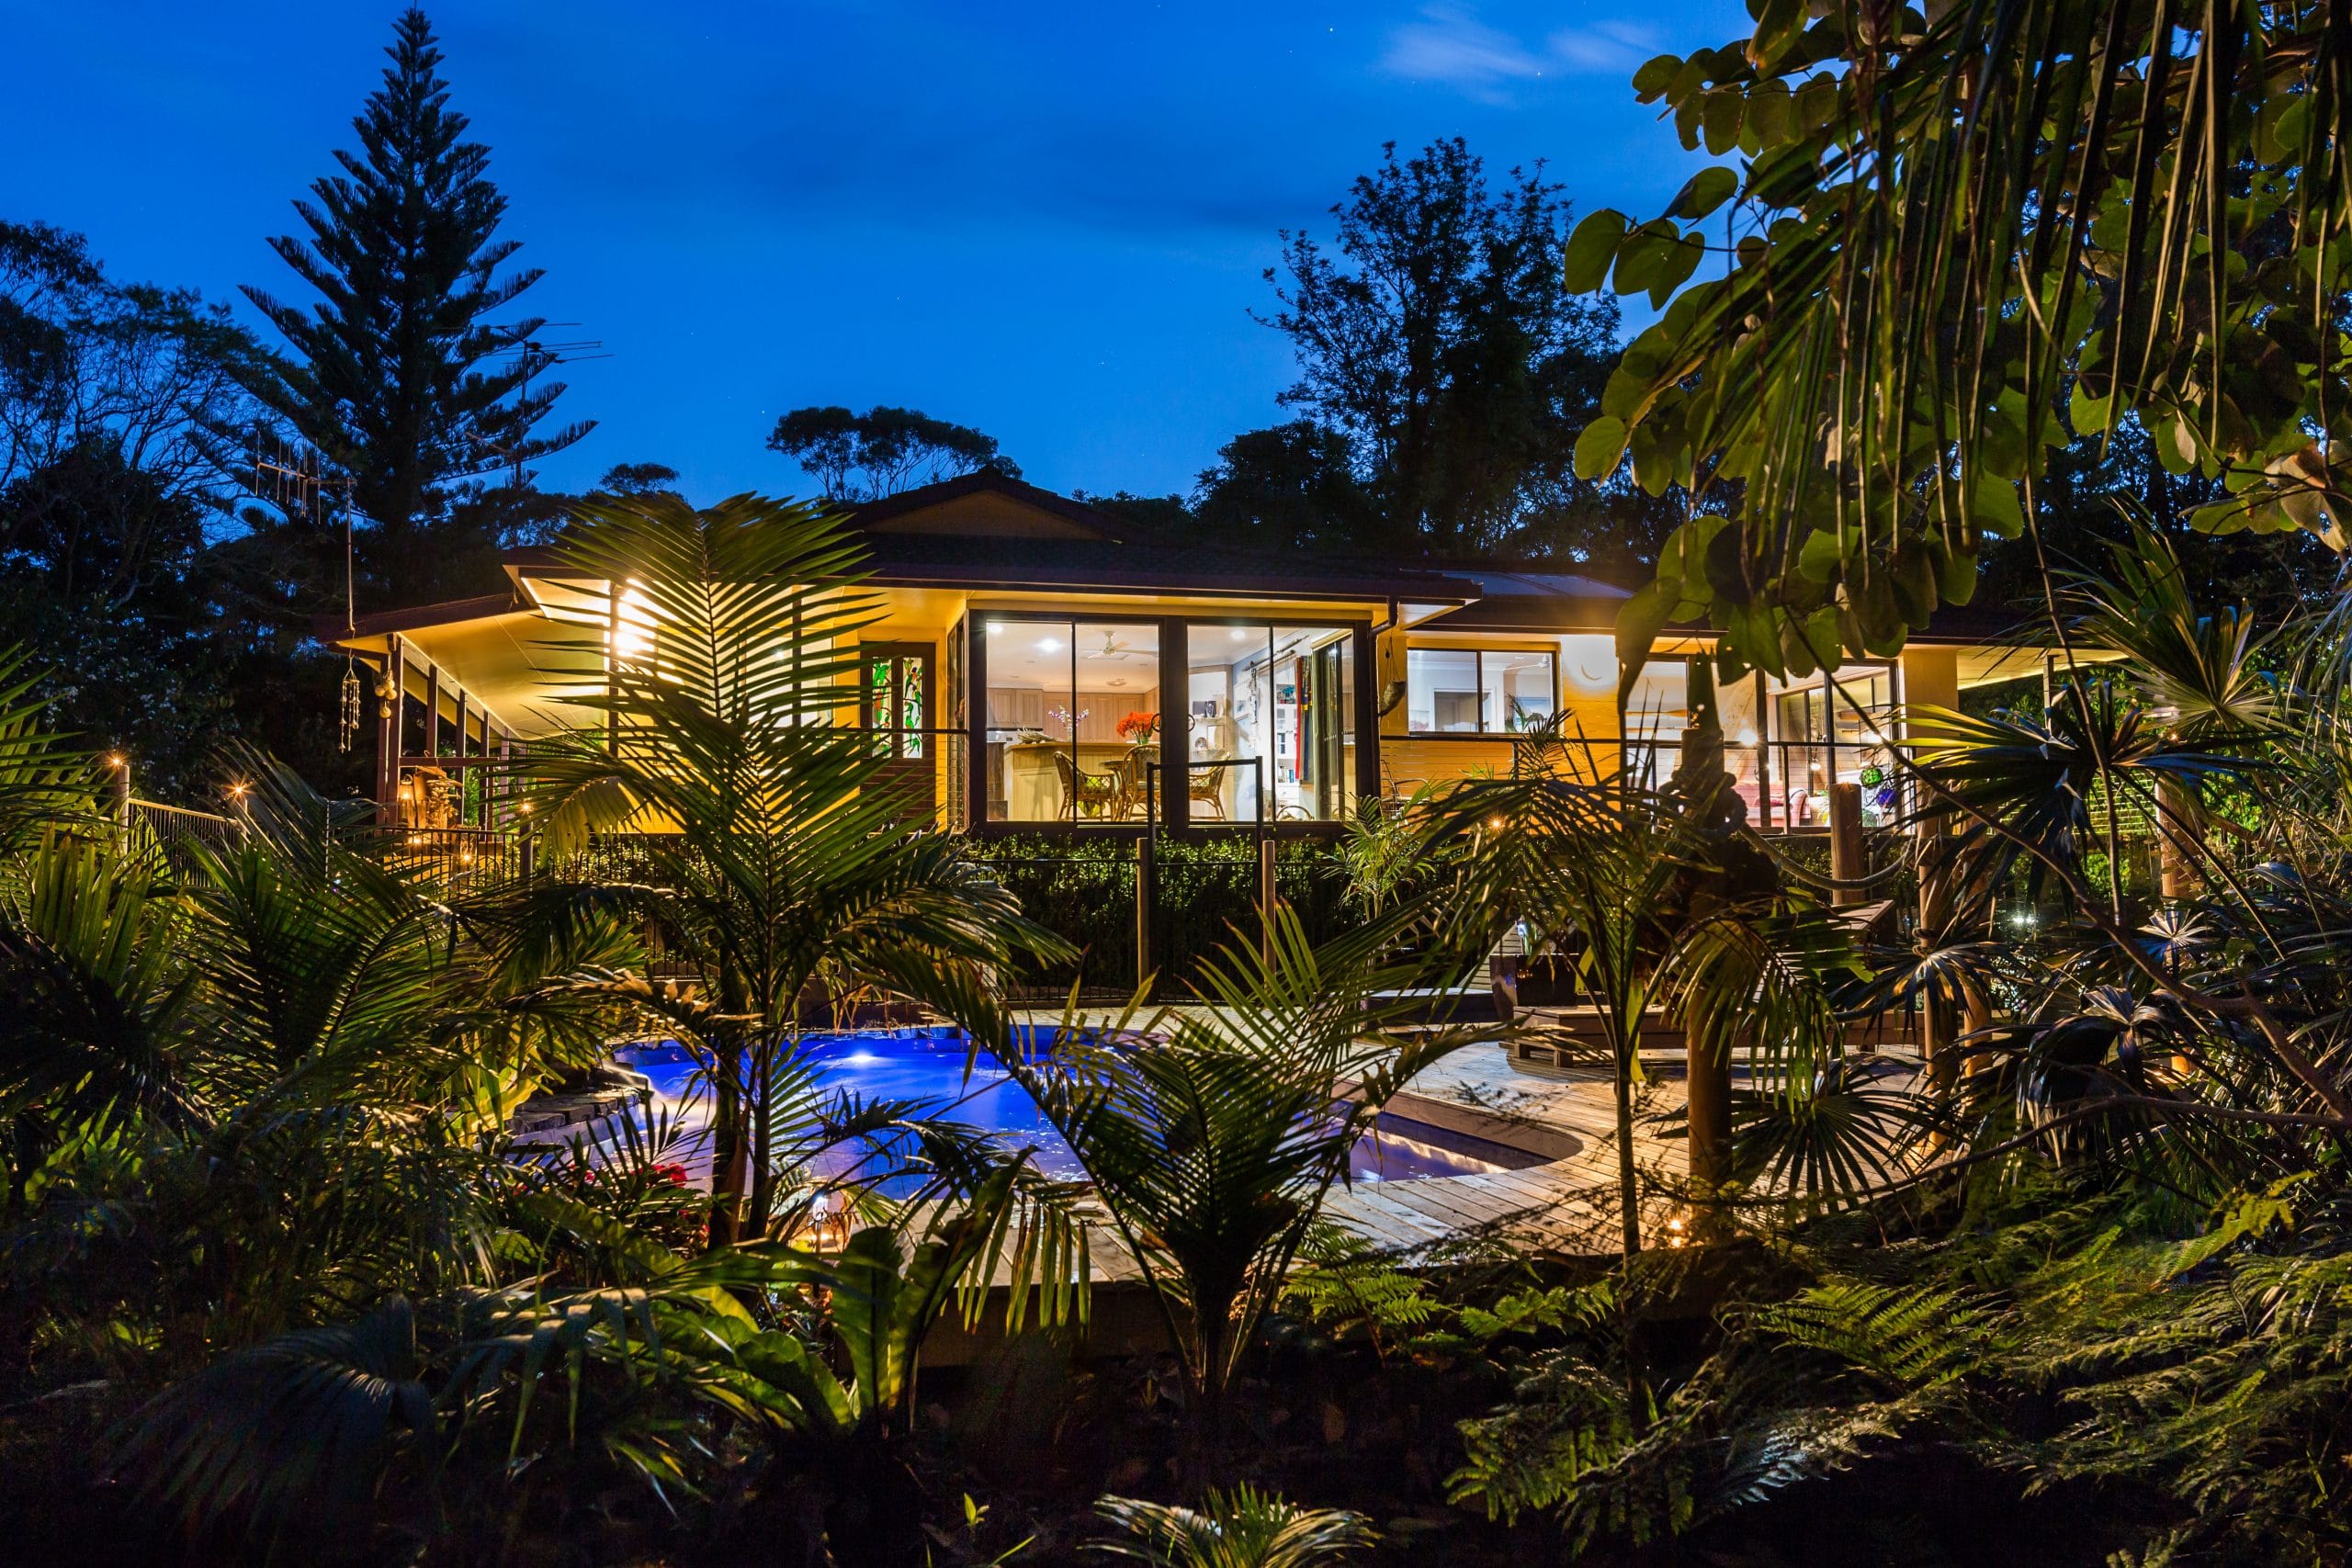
(348, 725)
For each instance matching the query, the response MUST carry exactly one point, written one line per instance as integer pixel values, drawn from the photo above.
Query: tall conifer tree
(397, 373)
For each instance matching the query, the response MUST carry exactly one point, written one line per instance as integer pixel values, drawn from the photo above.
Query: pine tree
(396, 374)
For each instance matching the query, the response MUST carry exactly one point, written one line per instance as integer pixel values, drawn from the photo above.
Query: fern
(1915, 1339)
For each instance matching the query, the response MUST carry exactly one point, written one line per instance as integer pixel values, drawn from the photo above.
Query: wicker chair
(1131, 774)
(1084, 793)
(1206, 787)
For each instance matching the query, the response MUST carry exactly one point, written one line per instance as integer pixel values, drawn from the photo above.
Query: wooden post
(1845, 861)
(2180, 829)
(1266, 900)
(1146, 891)
(1707, 1085)
(433, 710)
(1936, 1042)
(387, 736)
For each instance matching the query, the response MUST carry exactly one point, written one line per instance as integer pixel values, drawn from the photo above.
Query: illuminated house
(1043, 666)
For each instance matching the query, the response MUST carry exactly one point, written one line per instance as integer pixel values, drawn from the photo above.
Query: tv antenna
(526, 345)
(296, 480)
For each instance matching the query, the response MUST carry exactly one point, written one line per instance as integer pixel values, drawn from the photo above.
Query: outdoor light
(524, 808)
(1590, 662)
(237, 791)
(829, 1228)
(631, 637)
(117, 760)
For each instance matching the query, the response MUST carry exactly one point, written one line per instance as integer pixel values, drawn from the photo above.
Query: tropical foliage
(1954, 241)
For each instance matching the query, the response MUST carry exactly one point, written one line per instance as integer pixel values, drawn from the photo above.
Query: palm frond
(1243, 1528)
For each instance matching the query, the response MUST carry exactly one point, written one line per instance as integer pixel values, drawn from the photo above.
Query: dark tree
(865, 457)
(1438, 339)
(1166, 515)
(105, 578)
(396, 372)
(1292, 487)
(639, 478)
(107, 486)
(84, 359)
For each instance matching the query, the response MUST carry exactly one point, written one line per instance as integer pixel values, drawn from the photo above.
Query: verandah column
(1930, 679)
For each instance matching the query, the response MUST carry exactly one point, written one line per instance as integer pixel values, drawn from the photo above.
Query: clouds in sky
(1453, 47)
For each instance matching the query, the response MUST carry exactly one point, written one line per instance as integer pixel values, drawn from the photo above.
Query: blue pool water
(929, 1066)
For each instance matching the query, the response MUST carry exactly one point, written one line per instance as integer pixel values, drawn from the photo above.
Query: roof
(946, 560)
(984, 531)
(1510, 600)
(413, 617)
(897, 514)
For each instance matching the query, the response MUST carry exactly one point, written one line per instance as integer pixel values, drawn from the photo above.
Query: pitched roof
(962, 505)
(945, 560)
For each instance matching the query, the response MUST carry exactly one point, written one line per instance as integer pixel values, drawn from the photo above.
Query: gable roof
(989, 505)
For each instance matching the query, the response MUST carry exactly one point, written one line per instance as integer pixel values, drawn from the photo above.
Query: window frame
(1479, 652)
(1175, 818)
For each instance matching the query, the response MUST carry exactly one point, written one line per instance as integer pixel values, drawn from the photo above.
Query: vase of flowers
(1137, 729)
(1068, 721)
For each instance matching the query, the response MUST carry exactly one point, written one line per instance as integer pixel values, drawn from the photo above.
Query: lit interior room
(1073, 718)
(1269, 722)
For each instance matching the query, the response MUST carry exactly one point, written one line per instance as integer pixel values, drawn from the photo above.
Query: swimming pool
(928, 1066)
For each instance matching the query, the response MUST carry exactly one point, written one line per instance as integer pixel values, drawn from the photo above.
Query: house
(1042, 666)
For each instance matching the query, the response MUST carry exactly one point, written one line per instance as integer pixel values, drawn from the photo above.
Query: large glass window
(1484, 692)
(1830, 730)
(1270, 723)
(1073, 714)
(1657, 713)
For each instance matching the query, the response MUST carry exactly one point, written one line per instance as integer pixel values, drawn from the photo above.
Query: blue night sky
(1048, 222)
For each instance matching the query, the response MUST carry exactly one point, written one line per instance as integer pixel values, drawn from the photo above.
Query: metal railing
(167, 831)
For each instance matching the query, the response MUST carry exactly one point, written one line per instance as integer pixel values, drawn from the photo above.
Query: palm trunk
(1629, 1048)
(730, 1151)
(762, 1149)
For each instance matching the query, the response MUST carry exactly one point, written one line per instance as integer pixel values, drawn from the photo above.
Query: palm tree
(1625, 883)
(1214, 1129)
(770, 860)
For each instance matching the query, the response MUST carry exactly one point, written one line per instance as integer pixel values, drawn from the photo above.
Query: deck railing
(167, 831)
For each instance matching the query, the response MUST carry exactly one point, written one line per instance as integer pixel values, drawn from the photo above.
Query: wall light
(1590, 662)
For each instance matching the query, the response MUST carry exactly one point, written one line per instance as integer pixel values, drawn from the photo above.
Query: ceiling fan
(1113, 648)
